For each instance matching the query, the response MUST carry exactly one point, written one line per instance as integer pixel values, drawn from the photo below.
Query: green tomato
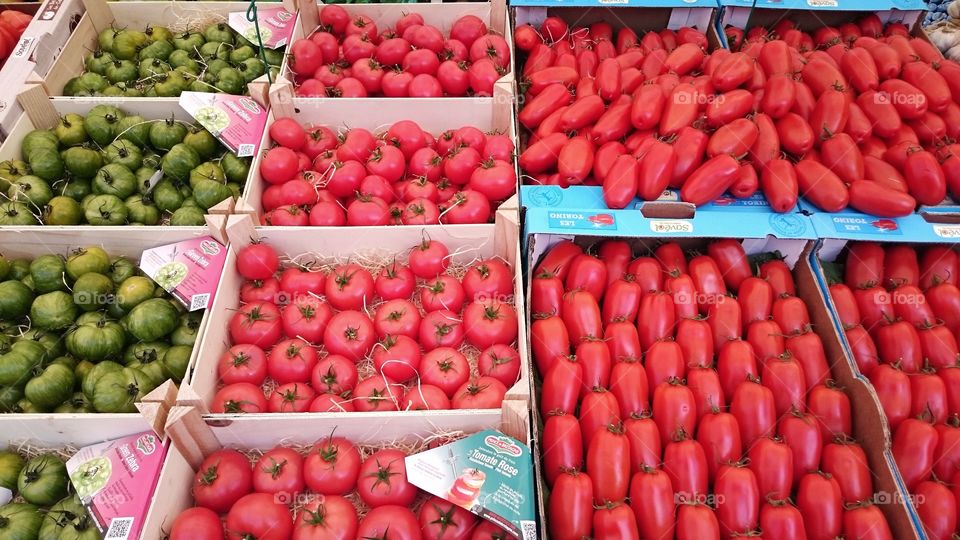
(183, 59)
(62, 210)
(48, 272)
(82, 162)
(4, 267)
(274, 56)
(25, 406)
(96, 338)
(152, 319)
(97, 61)
(158, 50)
(179, 161)
(202, 142)
(19, 521)
(208, 193)
(124, 152)
(188, 216)
(106, 37)
(122, 71)
(250, 69)
(19, 268)
(11, 170)
(140, 209)
(207, 171)
(135, 129)
(11, 463)
(88, 383)
(43, 481)
(187, 332)
(86, 260)
(219, 32)
(76, 189)
(230, 81)
(188, 41)
(39, 139)
(158, 33)
(32, 190)
(214, 50)
(17, 213)
(235, 189)
(70, 130)
(151, 159)
(144, 174)
(154, 66)
(52, 343)
(9, 397)
(76, 404)
(241, 53)
(167, 134)
(135, 290)
(32, 349)
(52, 387)
(236, 169)
(59, 515)
(145, 352)
(190, 202)
(118, 391)
(127, 43)
(115, 179)
(15, 368)
(15, 299)
(176, 360)
(53, 310)
(88, 84)
(166, 196)
(101, 123)
(46, 164)
(121, 269)
(92, 291)
(171, 84)
(82, 528)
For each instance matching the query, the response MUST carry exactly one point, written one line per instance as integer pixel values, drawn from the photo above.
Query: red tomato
(392, 522)
(766, 337)
(807, 349)
(242, 363)
(937, 507)
(652, 500)
(350, 334)
(710, 179)
(615, 521)
(719, 435)
(791, 314)
(867, 522)
(479, 393)
(738, 499)
(820, 503)
(655, 318)
(780, 519)
(383, 480)
(939, 265)
(914, 448)
(261, 516)
(735, 362)
(222, 479)
(696, 521)
(256, 323)
(196, 523)
(756, 299)
(846, 461)
(399, 317)
(899, 342)
(562, 445)
(754, 407)
(280, 472)
(685, 463)
(291, 360)
(784, 376)
(571, 506)
(329, 517)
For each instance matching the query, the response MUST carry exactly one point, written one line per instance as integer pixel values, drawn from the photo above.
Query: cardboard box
(441, 15)
(793, 235)
(465, 242)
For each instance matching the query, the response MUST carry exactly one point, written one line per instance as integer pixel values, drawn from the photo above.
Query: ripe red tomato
(332, 466)
(242, 397)
(257, 261)
(222, 479)
(846, 461)
(242, 363)
(937, 507)
(197, 522)
(261, 516)
(914, 448)
(866, 521)
(492, 278)
(490, 322)
(719, 435)
(393, 522)
(349, 287)
(780, 519)
(820, 503)
(256, 323)
(328, 517)
(735, 362)
(801, 433)
(753, 405)
(280, 472)
(383, 480)
(398, 317)
(442, 519)
(291, 397)
(445, 368)
(738, 499)
(291, 360)
(696, 520)
(441, 328)
(571, 507)
(280, 165)
(502, 362)
(479, 393)
(350, 334)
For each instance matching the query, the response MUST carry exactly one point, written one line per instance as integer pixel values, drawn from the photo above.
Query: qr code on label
(120, 529)
(528, 530)
(245, 150)
(199, 301)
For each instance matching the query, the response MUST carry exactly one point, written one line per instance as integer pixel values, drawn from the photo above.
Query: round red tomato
(256, 323)
(395, 281)
(331, 403)
(332, 466)
(429, 259)
(445, 368)
(466, 206)
(375, 394)
(383, 480)
(306, 318)
(397, 358)
(197, 524)
(490, 322)
(390, 522)
(300, 281)
(257, 261)
(242, 363)
(442, 519)
(443, 292)
(259, 516)
(491, 278)
(441, 328)
(291, 397)
(291, 360)
(480, 393)
(279, 471)
(222, 479)
(398, 317)
(424, 397)
(349, 286)
(502, 362)
(350, 334)
(334, 374)
(330, 517)
(242, 397)
(262, 290)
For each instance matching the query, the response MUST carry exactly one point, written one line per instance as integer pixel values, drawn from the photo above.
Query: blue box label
(867, 225)
(582, 220)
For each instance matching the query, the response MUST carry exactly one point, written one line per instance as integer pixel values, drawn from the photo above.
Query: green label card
(488, 473)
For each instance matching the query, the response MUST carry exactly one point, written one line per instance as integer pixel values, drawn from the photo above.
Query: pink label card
(237, 121)
(276, 26)
(189, 270)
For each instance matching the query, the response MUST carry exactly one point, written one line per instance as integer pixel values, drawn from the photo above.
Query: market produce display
(414, 334)
(900, 308)
(350, 56)
(114, 168)
(87, 333)
(860, 116)
(683, 394)
(12, 25)
(45, 507)
(157, 62)
(333, 489)
(401, 176)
